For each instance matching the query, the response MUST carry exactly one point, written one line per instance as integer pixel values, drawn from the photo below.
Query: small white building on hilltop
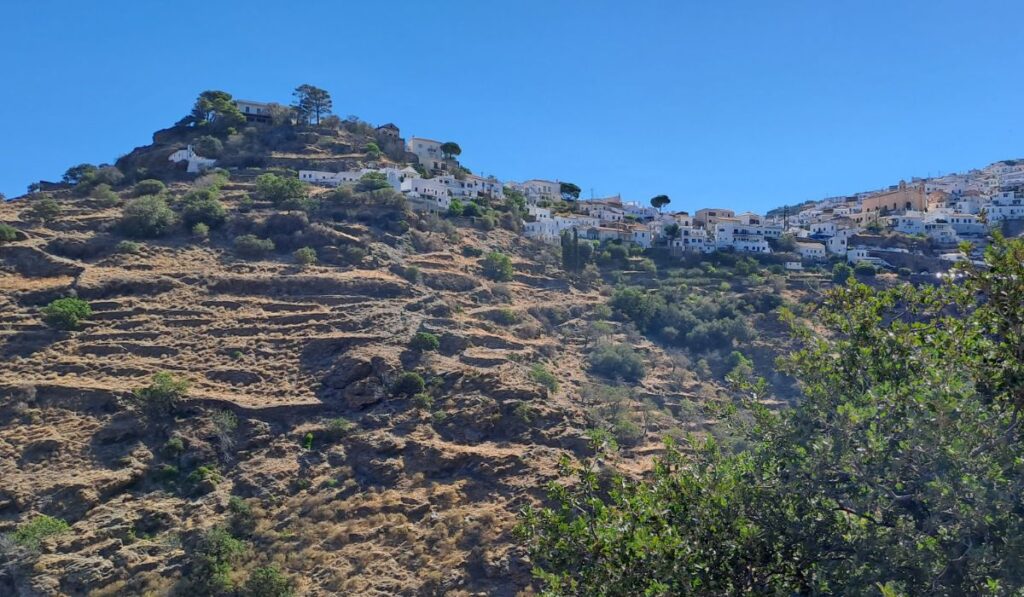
(810, 251)
(196, 163)
(254, 111)
(428, 152)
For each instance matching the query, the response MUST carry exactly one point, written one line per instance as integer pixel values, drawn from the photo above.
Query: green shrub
(163, 395)
(455, 208)
(372, 181)
(307, 440)
(242, 521)
(504, 316)
(128, 247)
(411, 273)
(268, 581)
(252, 246)
(841, 273)
(424, 342)
(105, 195)
(864, 268)
(30, 534)
(617, 361)
(174, 447)
(44, 209)
(279, 189)
(209, 146)
(150, 186)
(204, 207)
(423, 400)
(201, 230)
(904, 272)
(471, 209)
(305, 256)
(541, 375)
(408, 383)
(335, 429)
(66, 313)
(147, 217)
(472, 251)
(497, 266)
(8, 233)
(211, 561)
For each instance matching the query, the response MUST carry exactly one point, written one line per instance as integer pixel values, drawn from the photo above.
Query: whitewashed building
(196, 163)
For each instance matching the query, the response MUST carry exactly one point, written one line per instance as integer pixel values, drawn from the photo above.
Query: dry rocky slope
(414, 499)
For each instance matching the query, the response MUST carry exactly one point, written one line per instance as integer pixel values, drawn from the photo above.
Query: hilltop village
(862, 228)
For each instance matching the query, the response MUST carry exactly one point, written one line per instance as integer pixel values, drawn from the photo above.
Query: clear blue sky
(744, 104)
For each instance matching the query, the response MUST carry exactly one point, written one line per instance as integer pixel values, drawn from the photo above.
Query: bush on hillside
(209, 147)
(211, 560)
(104, 195)
(497, 266)
(280, 189)
(163, 396)
(66, 313)
(408, 384)
(305, 256)
(372, 181)
(201, 231)
(8, 233)
(31, 533)
(841, 272)
(44, 209)
(424, 342)
(150, 186)
(617, 361)
(203, 206)
(253, 247)
(541, 375)
(268, 581)
(128, 247)
(865, 269)
(147, 217)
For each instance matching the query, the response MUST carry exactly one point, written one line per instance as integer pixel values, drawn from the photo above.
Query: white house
(810, 251)
(1005, 206)
(196, 163)
(254, 111)
(537, 190)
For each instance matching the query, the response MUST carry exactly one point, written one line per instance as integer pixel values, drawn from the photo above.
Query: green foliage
(31, 533)
(335, 429)
(150, 186)
(904, 272)
(423, 400)
(865, 269)
(242, 520)
(311, 103)
(471, 209)
(504, 316)
(411, 273)
(209, 147)
(201, 230)
(281, 190)
(373, 150)
(174, 447)
(698, 322)
(268, 581)
(841, 273)
(617, 361)
(455, 208)
(372, 181)
(203, 206)
(128, 247)
(105, 195)
(251, 246)
(472, 251)
(450, 149)
(897, 473)
(147, 217)
(163, 396)
(44, 209)
(575, 254)
(8, 233)
(66, 313)
(497, 266)
(541, 375)
(211, 560)
(305, 256)
(408, 383)
(215, 111)
(79, 173)
(425, 342)
(660, 201)
(307, 440)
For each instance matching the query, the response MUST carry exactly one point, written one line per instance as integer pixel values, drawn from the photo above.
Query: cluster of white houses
(945, 209)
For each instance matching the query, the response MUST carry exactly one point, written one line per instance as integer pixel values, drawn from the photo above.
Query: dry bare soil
(416, 497)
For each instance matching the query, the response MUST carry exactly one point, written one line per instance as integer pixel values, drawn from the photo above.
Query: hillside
(297, 425)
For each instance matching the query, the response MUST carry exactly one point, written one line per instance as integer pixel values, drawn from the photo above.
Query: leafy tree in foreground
(900, 472)
(497, 266)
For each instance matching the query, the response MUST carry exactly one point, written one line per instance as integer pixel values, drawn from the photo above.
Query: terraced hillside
(292, 416)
